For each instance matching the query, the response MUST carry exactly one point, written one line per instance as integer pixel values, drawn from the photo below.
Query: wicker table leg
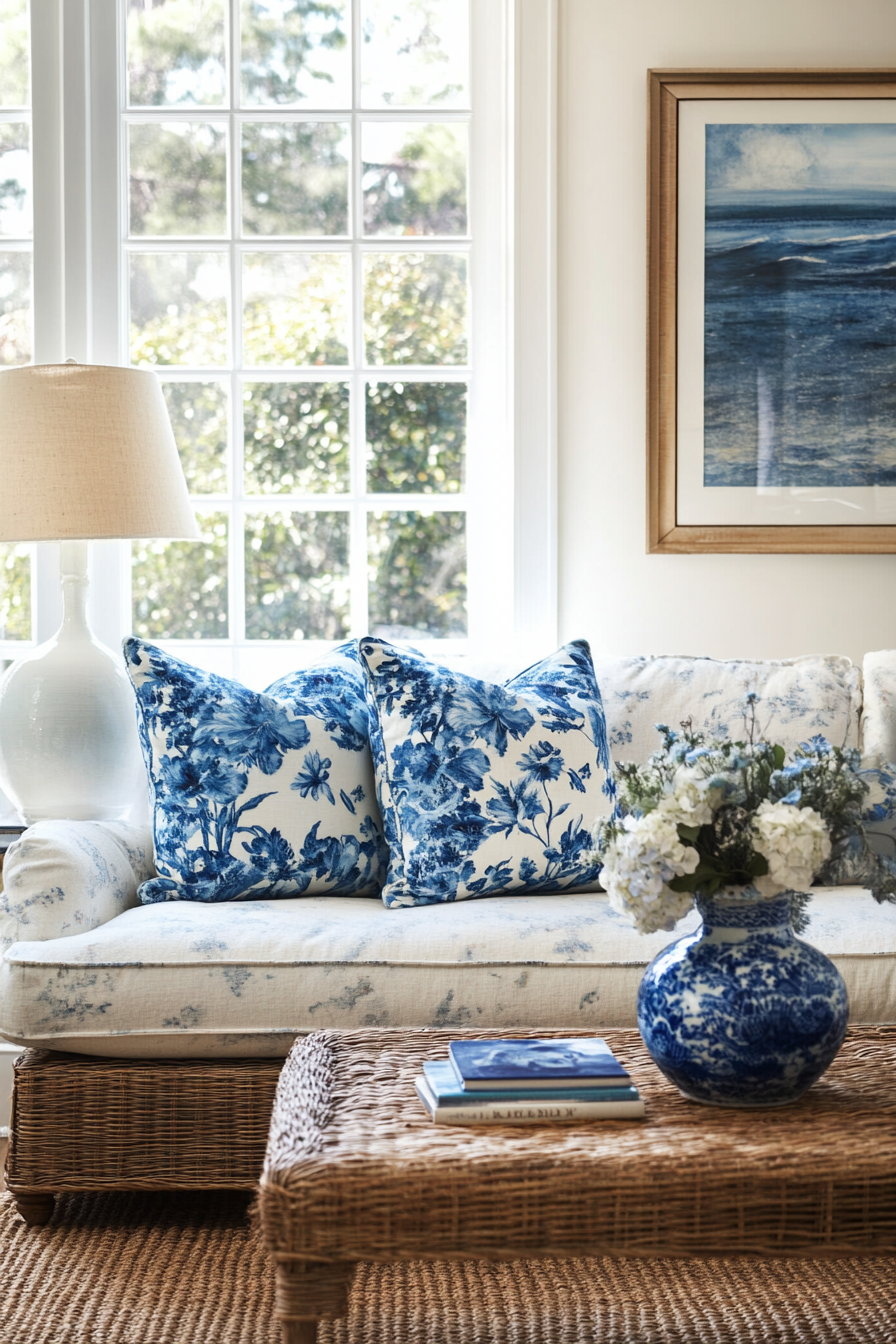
(35, 1206)
(298, 1332)
(309, 1291)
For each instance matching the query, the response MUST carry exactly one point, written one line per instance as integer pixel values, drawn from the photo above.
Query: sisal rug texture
(187, 1269)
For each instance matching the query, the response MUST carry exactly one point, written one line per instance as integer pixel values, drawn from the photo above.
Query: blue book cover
(447, 1090)
(484, 1065)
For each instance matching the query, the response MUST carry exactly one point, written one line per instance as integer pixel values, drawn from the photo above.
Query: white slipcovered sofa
(86, 968)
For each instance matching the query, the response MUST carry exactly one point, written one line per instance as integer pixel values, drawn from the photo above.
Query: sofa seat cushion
(185, 979)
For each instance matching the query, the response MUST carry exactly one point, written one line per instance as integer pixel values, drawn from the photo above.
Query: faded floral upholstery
(184, 978)
(86, 968)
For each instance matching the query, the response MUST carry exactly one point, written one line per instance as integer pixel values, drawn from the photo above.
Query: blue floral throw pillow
(258, 794)
(485, 788)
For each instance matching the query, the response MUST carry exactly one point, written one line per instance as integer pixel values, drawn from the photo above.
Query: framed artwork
(772, 311)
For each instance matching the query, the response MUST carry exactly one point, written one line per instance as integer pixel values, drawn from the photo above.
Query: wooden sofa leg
(35, 1206)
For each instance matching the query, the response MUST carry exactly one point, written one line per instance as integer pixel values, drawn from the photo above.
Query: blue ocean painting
(800, 305)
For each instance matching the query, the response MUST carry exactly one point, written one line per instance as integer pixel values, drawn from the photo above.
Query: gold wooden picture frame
(824, 121)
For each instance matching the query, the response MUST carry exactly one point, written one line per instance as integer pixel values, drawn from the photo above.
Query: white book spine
(527, 1113)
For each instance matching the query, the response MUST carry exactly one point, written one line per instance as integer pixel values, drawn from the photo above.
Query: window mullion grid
(124, 278)
(12, 648)
(124, 192)
(234, 53)
(356, 54)
(19, 116)
(237, 523)
(358, 525)
(359, 502)
(236, 532)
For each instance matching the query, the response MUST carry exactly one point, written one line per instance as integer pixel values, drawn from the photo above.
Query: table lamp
(86, 452)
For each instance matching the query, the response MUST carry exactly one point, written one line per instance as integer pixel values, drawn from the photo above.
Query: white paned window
(16, 280)
(328, 226)
(297, 265)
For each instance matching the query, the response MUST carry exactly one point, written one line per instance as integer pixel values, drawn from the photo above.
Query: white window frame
(512, 537)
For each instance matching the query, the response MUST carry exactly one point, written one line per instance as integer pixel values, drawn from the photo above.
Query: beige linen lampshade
(87, 452)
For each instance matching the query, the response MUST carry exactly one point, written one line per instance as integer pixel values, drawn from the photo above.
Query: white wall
(611, 591)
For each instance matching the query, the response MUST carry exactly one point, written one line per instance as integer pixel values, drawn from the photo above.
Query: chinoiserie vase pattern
(742, 1012)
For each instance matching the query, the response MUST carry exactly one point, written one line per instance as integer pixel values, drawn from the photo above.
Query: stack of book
(529, 1082)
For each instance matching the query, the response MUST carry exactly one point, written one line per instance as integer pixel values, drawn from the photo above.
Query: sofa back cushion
(879, 748)
(796, 699)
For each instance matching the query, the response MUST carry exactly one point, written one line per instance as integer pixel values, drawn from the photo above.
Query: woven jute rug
(188, 1269)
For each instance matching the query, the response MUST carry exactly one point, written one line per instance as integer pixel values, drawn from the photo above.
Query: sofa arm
(67, 877)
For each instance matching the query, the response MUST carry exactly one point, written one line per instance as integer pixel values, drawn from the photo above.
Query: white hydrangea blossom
(794, 841)
(688, 804)
(646, 852)
(639, 864)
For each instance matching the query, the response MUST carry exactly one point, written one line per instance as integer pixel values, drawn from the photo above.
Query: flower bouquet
(707, 817)
(740, 1012)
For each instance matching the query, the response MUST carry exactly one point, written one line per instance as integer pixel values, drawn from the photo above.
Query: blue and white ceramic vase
(742, 1012)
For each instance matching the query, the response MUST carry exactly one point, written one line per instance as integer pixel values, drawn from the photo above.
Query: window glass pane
(415, 308)
(296, 52)
(290, 315)
(15, 307)
(180, 587)
(295, 177)
(176, 52)
(178, 178)
(14, 54)
(414, 177)
(296, 438)
(295, 308)
(416, 434)
(179, 308)
(415, 53)
(15, 591)
(417, 566)
(198, 414)
(15, 179)
(297, 584)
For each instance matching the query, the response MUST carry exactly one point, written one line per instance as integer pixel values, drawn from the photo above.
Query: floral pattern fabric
(68, 877)
(257, 793)
(797, 699)
(879, 749)
(486, 788)
(182, 979)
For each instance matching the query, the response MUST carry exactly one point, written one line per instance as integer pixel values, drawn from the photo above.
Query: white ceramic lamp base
(68, 730)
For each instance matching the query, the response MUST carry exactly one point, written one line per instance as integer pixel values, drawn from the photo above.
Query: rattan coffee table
(355, 1171)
